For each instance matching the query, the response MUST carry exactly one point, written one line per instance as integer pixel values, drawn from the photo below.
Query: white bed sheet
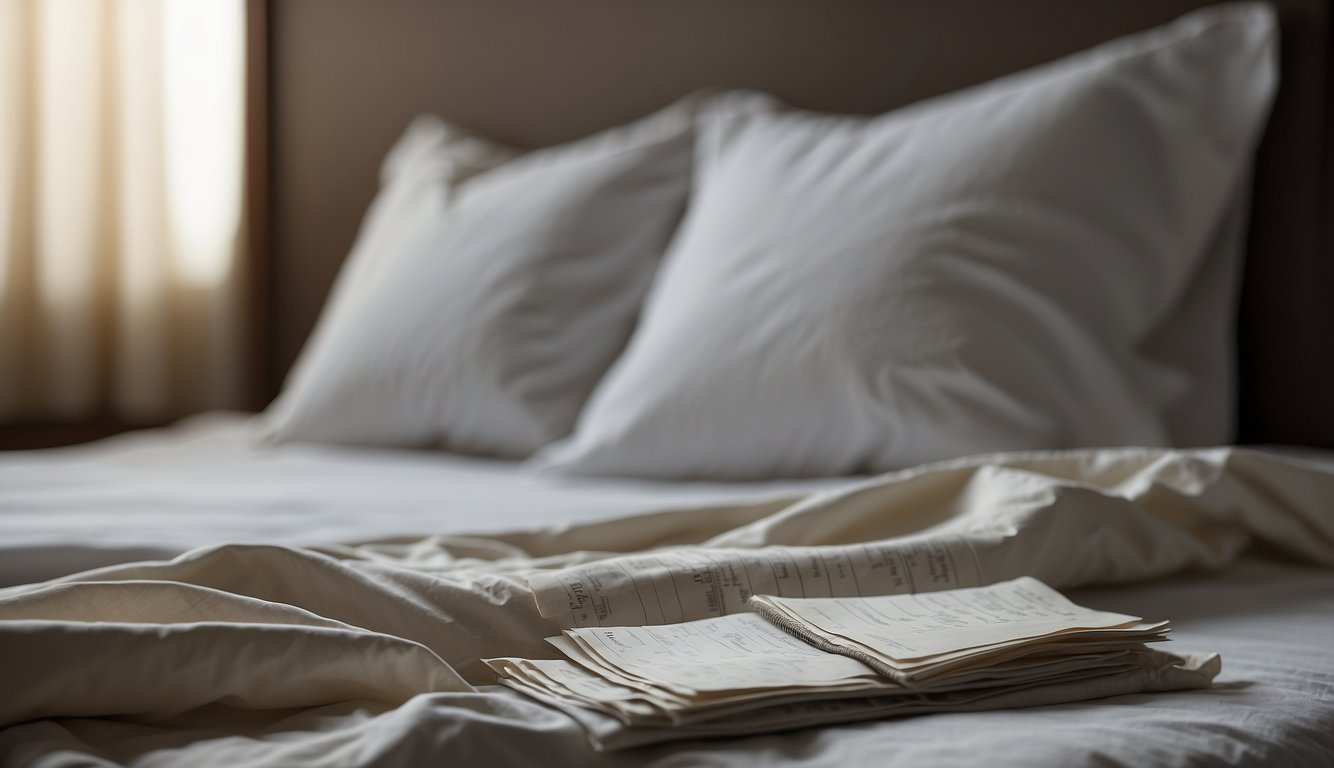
(1273, 706)
(210, 480)
(157, 493)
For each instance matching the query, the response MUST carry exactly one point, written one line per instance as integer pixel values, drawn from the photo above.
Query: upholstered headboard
(342, 78)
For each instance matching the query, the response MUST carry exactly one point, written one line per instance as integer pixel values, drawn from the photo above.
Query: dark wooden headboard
(343, 77)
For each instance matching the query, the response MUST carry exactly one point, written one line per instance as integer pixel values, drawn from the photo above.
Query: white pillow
(988, 270)
(480, 307)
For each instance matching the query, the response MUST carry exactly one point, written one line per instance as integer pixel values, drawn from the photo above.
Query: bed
(198, 595)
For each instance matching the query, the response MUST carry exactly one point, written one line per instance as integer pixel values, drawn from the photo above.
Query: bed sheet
(156, 493)
(1272, 705)
(1270, 618)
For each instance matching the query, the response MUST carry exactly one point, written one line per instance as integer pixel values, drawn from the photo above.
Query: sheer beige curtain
(121, 136)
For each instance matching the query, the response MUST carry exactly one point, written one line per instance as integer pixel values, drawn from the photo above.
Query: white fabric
(1009, 267)
(479, 307)
(210, 480)
(255, 629)
(1270, 706)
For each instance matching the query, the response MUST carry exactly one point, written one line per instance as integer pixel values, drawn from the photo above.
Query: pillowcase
(996, 269)
(484, 299)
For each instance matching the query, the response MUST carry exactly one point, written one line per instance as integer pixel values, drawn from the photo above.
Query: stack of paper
(1020, 630)
(925, 652)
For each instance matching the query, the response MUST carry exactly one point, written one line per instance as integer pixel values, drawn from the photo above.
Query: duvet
(369, 653)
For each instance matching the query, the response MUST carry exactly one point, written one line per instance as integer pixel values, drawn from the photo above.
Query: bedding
(212, 479)
(487, 293)
(1045, 260)
(264, 654)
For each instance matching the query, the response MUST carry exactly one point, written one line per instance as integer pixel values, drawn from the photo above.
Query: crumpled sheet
(245, 640)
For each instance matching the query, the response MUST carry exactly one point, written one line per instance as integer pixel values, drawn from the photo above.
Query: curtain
(121, 141)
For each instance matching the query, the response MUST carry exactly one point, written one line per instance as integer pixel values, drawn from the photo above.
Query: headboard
(343, 77)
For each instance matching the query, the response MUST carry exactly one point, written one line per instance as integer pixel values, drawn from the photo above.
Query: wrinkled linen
(155, 494)
(235, 641)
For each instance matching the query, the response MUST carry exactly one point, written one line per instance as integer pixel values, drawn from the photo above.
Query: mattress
(155, 494)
